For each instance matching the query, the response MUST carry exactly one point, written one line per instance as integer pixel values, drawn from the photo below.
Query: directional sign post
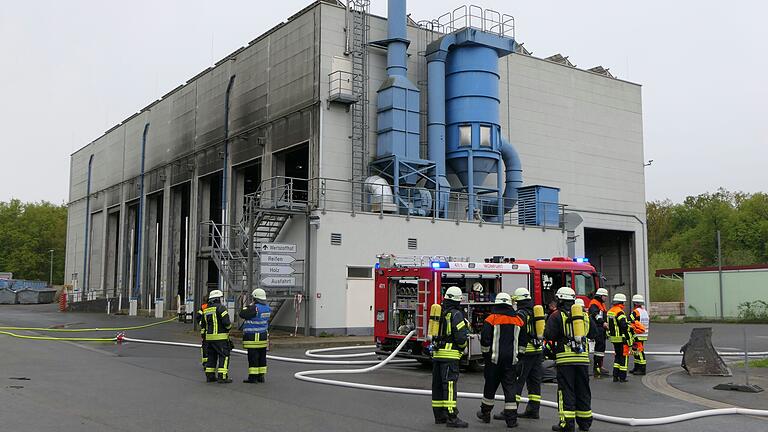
(278, 281)
(277, 270)
(277, 259)
(280, 248)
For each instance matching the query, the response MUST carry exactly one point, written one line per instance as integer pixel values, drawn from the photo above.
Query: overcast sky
(70, 70)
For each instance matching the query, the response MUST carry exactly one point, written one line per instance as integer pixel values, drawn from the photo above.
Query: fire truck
(406, 287)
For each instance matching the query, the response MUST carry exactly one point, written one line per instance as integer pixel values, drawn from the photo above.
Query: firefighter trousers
(620, 354)
(218, 359)
(445, 375)
(204, 352)
(257, 362)
(574, 398)
(639, 349)
(599, 354)
(505, 373)
(530, 376)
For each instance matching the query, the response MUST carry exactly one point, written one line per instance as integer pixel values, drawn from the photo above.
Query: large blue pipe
(86, 255)
(436, 126)
(398, 38)
(513, 170)
(136, 294)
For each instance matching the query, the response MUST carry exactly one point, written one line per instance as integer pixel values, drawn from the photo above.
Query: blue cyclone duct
(398, 99)
(464, 65)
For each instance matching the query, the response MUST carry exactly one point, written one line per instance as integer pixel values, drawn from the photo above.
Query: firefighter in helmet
(203, 344)
(217, 325)
(531, 358)
(620, 336)
(255, 335)
(640, 322)
(449, 347)
(572, 361)
(499, 342)
(597, 314)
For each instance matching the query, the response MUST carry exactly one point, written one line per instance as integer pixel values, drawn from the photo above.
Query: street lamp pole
(50, 280)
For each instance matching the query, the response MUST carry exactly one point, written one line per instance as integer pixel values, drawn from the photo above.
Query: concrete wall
(702, 291)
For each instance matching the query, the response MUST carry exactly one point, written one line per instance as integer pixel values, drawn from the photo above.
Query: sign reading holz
(277, 270)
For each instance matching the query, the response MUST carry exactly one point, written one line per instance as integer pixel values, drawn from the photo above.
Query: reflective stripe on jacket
(217, 322)
(256, 325)
(501, 336)
(641, 315)
(618, 329)
(559, 330)
(452, 337)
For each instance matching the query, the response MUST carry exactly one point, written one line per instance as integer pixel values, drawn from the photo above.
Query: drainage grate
(336, 239)
(412, 243)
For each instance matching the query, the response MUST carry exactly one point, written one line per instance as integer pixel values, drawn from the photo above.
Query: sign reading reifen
(277, 281)
(284, 248)
(277, 259)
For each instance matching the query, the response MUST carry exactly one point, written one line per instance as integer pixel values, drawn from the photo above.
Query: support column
(167, 251)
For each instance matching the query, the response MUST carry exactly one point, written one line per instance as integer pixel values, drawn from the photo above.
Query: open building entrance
(180, 239)
(209, 209)
(293, 164)
(612, 253)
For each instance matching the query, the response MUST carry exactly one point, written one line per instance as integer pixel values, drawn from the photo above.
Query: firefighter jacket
(201, 319)
(216, 322)
(453, 334)
(640, 316)
(567, 350)
(618, 328)
(531, 343)
(501, 338)
(597, 312)
(255, 327)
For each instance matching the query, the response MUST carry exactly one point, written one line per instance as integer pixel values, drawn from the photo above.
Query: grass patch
(666, 291)
(761, 363)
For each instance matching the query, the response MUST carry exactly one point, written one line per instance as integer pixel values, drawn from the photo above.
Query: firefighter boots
(485, 413)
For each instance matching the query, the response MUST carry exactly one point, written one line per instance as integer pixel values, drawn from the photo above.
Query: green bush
(753, 311)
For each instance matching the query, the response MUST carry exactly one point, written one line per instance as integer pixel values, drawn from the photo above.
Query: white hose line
(722, 354)
(314, 352)
(269, 357)
(305, 376)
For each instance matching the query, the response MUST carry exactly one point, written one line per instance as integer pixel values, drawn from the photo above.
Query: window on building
(359, 272)
(465, 135)
(485, 136)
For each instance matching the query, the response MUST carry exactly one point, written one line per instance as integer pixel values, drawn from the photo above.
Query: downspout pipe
(397, 38)
(225, 165)
(136, 294)
(86, 255)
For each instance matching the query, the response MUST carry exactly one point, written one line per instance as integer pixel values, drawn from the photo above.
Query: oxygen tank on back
(538, 320)
(577, 317)
(435, 312)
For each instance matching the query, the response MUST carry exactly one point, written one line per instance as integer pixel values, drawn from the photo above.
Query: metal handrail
(472, 16)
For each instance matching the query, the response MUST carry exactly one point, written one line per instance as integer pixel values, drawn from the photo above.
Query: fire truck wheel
(426, 364)
(476, 365)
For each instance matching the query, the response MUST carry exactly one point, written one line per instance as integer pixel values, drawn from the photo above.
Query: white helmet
(579, 302)
(259, 294)
(453, 293)
(637, 298)
(565, 293)
(522, 293)
(215, 294)
(503, 298)
(619, 298)
(601, 292)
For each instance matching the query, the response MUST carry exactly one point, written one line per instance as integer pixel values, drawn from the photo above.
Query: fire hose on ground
(310, 376)
(327, 359)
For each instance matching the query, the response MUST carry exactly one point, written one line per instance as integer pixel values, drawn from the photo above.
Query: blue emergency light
(581, 260)
(439, 264)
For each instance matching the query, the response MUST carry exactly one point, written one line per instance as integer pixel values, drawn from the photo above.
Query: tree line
(685, 234)
(28, 231)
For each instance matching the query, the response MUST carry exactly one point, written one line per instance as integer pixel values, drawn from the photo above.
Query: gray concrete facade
(575, 130)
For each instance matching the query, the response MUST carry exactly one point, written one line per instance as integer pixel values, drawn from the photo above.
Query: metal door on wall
(360, 297)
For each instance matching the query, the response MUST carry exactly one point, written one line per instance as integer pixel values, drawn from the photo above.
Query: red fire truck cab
(406, 288)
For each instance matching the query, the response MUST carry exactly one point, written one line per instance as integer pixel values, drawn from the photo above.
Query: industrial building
(350, 135)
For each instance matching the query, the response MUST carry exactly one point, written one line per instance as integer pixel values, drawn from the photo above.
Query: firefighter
(531, 360)
(203, 345)
(640, 322)
(597, 314)
(499, 341)
(620, 337)
(572, 360)
(255, 335)
(449, 346)
(217, 325)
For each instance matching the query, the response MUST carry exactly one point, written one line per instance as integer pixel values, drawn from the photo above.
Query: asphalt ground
(74, 386)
